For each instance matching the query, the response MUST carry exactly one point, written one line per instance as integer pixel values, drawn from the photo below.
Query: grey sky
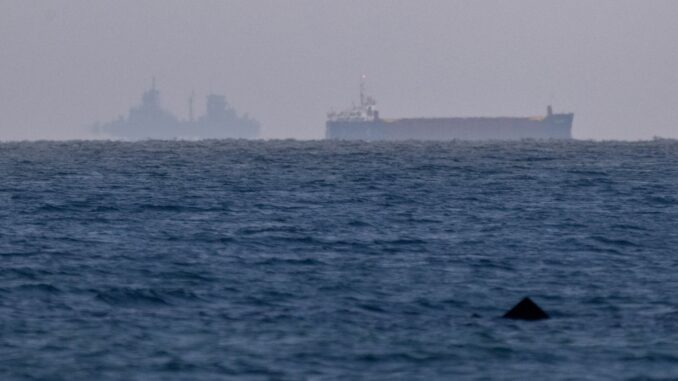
(68, 63)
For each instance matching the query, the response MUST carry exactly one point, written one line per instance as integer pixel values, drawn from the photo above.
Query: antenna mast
(190, 106)
(362, 90)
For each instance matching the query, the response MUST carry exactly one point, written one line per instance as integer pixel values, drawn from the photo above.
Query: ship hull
(554, 126)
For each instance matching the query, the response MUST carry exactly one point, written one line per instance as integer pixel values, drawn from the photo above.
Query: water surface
(334, 260)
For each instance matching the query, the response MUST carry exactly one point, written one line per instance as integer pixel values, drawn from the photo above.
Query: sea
(329, 260)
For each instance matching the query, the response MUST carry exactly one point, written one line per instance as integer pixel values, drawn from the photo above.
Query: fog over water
(69, 63)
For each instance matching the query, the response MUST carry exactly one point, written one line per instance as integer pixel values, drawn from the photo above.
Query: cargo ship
(150, 121)
(363, 122)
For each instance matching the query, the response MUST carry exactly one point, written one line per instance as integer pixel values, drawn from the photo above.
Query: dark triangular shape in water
(526, 310)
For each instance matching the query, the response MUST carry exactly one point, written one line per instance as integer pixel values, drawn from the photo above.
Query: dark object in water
(526, 310)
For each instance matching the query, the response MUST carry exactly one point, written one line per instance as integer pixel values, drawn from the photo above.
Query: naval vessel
(150, 121)
(363, 122)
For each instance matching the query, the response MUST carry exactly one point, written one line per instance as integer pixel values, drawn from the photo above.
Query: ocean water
(289, 260)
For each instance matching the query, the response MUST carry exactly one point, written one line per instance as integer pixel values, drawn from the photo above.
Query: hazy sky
(65, 64)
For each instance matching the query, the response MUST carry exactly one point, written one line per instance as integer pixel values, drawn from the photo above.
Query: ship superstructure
(363, 122)
(150, 121)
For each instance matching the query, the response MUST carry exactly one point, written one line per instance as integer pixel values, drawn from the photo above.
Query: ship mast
(362, 90)
(190, 106)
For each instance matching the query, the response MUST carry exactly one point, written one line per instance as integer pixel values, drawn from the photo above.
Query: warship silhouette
(150, 121)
